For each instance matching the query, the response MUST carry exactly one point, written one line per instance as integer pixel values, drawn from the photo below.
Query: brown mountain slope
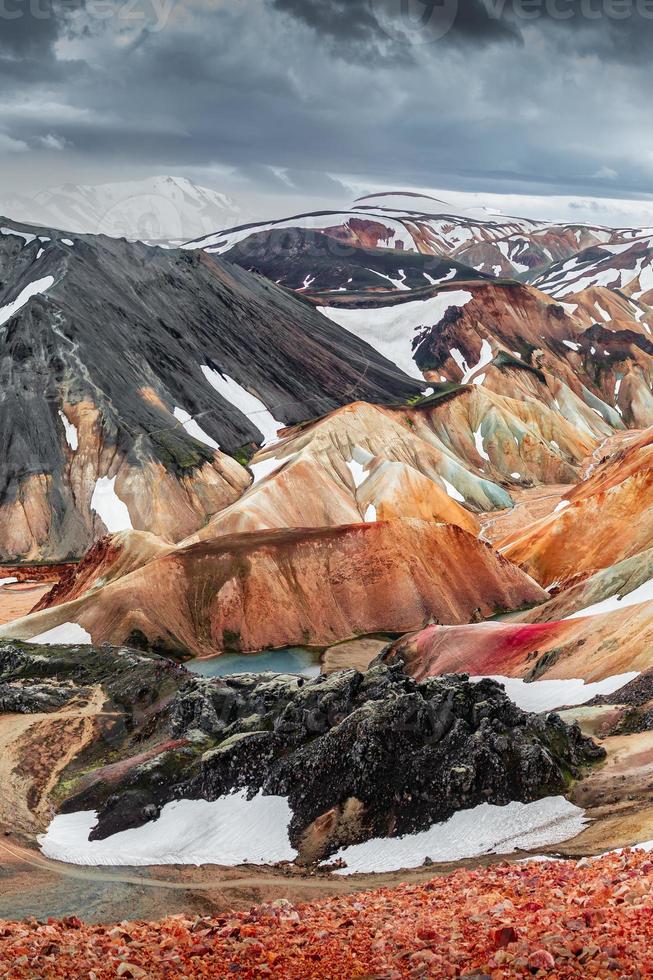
(458, 452)
(299, 587)
(592, 648)
(608, 518)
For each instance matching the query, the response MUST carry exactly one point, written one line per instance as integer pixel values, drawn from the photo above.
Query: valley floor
(617, 797)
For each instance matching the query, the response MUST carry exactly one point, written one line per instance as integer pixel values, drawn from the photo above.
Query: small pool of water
(294, 660)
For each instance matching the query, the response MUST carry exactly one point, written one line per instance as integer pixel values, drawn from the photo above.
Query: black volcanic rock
(403, 755)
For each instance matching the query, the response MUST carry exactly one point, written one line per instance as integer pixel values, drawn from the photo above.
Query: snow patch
(357, 471)
(66, 633)
(451, 274)
(391, 330)
(230, 831)
(71, 432)
(548, 695)
(19, 234)
(308, 281)
(397, 283)
(370, 514)
(485, 358)
(110, 508)
(451, 490)
(480, 448)
(644, 593)
(34, 289)
(606, 316)
(485, 829)
(265, 468)
(246, 403)
(193, 429)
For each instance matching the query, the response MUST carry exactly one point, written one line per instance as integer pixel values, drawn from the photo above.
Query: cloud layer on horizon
(284, 97)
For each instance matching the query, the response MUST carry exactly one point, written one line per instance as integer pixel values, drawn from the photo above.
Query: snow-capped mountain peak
(157, 208)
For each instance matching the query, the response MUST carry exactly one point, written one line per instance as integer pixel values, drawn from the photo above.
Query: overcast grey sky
(288, 103)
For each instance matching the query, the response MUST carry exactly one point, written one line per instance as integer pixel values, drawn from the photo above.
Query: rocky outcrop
(301, 587)
(357, 755)
(27, 698)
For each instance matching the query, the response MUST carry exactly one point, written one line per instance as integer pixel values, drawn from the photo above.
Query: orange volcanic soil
(306, 586)
(558, 919)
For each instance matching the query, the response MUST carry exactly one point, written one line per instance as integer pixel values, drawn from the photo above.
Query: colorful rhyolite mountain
(390, 430)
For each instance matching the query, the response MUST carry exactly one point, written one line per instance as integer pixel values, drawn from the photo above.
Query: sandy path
(24, 801)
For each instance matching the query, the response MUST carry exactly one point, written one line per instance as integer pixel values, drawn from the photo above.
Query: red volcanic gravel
(554, 919)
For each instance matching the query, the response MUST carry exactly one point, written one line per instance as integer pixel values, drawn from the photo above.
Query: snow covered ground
(72, 437)
(234, 830)
(548, 695)
(194, 429)
(229, 831)
(247, 403)
(485, 829)
(108, 505)
(66, 633)
(34, 289)
(616, 602)
(391, 330)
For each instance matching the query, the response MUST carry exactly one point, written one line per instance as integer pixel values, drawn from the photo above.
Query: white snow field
(229, 831)
(247, 403)
(644, 593)
(34, 289)
(234, 830)
(194, 429)
(72, 437)
(548, 695)
(390, 330)
(485, 829)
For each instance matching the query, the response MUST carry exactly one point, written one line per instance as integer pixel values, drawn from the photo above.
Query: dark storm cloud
(373, 23)
(287, 95)
(614, 29)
